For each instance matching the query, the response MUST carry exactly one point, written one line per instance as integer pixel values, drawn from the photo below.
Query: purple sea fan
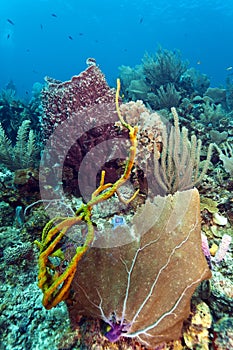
(143, 289)
(116, 331)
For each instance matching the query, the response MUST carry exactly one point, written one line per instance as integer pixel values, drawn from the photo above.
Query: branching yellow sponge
(55, 284)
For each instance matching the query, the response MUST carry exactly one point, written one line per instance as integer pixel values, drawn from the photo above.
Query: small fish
(91, 61)
(41, 26)
(229, 68)
(81, 34)
(10, 21)
(70, 37)
(8, 36)
(141, 20)
(198, 62)
(53, 15)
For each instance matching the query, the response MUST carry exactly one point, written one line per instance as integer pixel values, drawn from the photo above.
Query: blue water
(54, 37)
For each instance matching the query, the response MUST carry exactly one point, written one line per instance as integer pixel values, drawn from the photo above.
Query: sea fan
(143, 288)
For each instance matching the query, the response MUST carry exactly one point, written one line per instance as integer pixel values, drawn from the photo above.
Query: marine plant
(166, 96)
(24, 153)
(163, 68)
(157, 81)
(162, 80)
(7, 95)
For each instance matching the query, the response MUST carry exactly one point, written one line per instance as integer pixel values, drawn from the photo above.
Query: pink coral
(206, 249)
(223, 248)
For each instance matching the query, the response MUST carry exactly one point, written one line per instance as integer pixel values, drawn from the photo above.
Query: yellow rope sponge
(55, 285)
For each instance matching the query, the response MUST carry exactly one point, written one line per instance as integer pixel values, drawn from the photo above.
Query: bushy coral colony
(130, 244)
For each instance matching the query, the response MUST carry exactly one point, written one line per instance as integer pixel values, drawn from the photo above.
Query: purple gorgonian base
(117, 330)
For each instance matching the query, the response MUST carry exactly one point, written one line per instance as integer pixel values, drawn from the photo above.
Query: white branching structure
(177, 168)
(143, 289)
(226, 156)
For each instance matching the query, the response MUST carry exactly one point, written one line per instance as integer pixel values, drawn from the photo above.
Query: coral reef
(25, 324)
(130, 280)
(125, 308)
(193, 81)
(13, 112)
(166, 67)
(162, 80)
(229, 93)
(226, 156)
(13, 255)
(196, 332)
(156, 81)
(223, 334)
